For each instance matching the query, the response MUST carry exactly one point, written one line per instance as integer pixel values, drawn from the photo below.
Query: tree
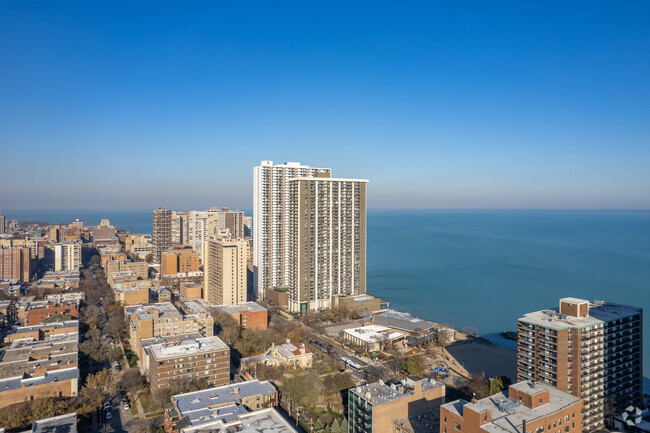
(228, 328)
(496, 385)
(132, 381)
(116, 325)
(92, 316)
(478, 386)
(396, 363)
(318, 425)
(303, 388)
(49, 407)
(98, 387)
(415, 365)
(337, 382)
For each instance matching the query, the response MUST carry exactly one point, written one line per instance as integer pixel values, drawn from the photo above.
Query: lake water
(483, 269)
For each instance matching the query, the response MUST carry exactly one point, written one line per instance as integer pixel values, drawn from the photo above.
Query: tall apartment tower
(271, 221)
(590, 350)
(15, 264)
(63, 256)
(232, 220)
(3, 224)
(327, 241)
(224, 271)
(162, 232)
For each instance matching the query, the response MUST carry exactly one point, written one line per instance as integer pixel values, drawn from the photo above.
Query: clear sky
(487, 104)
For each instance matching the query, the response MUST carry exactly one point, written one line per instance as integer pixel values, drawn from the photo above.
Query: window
(445, 419)
(566, 418)
(457, 426)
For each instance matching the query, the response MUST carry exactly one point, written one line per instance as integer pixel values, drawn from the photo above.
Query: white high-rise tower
(271, 221)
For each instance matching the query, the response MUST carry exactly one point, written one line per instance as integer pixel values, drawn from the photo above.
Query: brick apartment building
(249, 315)
(527, 408)
(36, 369)
(15, 264)
(178, 260)
(373, 408)
(591, 350)
(163, 319)
(206, 358)
(228, 401)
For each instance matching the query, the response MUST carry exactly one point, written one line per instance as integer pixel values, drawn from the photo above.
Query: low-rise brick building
(249, 315)
(35, 369)
(527, 407)
(218, 403)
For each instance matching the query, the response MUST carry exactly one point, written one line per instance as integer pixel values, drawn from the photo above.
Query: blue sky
(452, 104)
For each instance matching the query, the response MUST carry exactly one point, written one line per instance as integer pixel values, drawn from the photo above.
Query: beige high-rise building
(224, 271)
(3, 225)
(64, 256)
(162, 232)
(327, 240)
(271, 221)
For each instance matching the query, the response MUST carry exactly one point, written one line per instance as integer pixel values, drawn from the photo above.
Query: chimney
(523, 427)
(532, 383)
(302, 349)
(288, 340)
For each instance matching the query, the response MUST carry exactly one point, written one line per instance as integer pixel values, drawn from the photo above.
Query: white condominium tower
(271, 221)
(327, 241)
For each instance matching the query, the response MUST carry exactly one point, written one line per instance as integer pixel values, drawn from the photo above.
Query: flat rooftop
(244, 306)
(402, 321)
(374, 333)
(265, 420)
(27, 355)
(59, 424)
(196, 306)
(380, 392)
(198, 406)
(599, 312)
(187, 346)
(155, 308)
(507, 415)
(30, 380)
(422, 422)
(146, 342)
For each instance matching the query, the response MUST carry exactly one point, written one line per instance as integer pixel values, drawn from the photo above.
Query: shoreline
(480, 355)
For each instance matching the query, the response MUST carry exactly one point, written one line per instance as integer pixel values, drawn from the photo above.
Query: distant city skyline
(464, 105)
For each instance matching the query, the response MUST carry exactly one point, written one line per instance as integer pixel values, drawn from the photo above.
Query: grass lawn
(149, 404)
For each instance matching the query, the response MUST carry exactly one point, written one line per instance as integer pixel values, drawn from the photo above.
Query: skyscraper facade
(591, 350)
(15, 263)
(162, 232)
(271, 221)
(224, 271)
(327, 240)
(3, 224)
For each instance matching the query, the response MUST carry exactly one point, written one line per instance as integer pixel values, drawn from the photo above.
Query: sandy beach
(480, 356)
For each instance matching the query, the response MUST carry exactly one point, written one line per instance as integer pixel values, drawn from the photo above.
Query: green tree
(319, 426)
(496, 385)
(415, 365)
